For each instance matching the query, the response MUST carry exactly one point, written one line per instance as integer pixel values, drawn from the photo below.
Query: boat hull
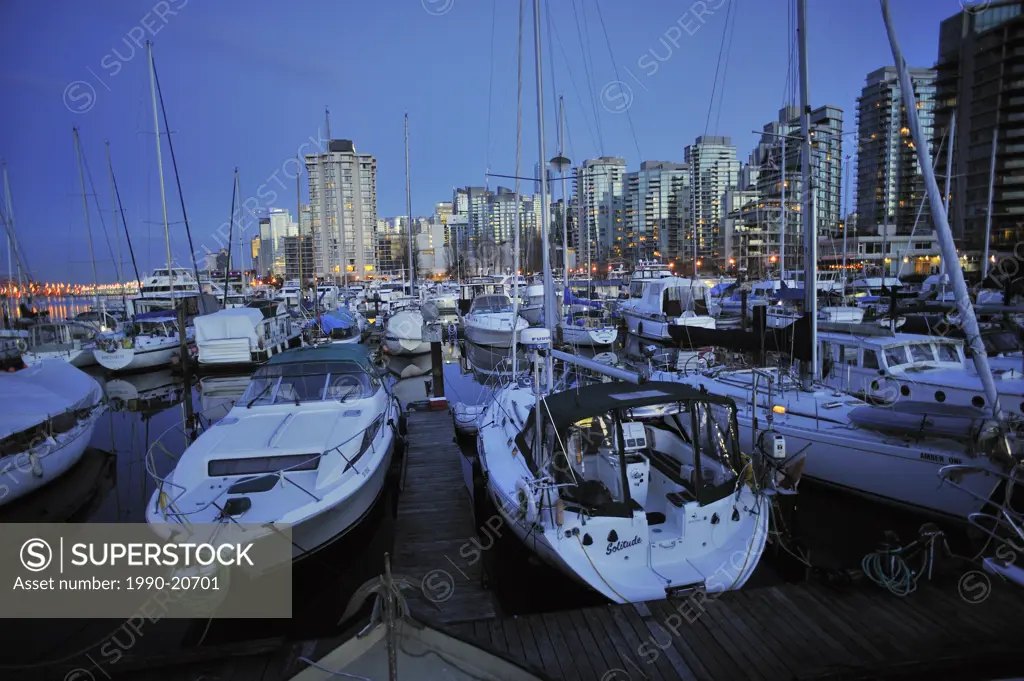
(406, 346)
(653, 328)
(80, 358)
(18, 475)
(575, 335)
(132, 359)
(495, 338)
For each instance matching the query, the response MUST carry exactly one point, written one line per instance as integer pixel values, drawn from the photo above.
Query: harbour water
(111, 484)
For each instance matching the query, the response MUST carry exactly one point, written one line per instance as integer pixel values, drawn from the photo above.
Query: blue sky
(246, 82)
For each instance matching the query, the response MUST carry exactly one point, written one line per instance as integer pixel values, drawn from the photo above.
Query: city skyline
(208, 82)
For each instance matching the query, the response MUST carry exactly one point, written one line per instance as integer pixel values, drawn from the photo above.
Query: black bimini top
(566, 408)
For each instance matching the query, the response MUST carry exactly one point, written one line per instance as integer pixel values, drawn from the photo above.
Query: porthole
(978, 401)
(940, 396)
(905, 391)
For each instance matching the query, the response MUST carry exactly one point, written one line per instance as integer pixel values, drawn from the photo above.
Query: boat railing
(170, 493)
(1003, 516)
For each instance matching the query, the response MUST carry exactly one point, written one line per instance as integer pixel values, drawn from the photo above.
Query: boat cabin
(491, 304)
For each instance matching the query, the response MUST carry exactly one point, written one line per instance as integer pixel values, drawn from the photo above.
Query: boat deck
(961, 626)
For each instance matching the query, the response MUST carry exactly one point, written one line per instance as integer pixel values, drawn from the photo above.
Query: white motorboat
(50, 412)
(308, 444)
(403, 334)
(489, 321)
(245, 335)
(72, 342)
(636, 491)
(532, 307)
(152, 341)
(668, 301)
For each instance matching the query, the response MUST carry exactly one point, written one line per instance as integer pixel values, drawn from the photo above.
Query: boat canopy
(48, 389)
(336, 319)
(570, 299)
(349, 352)
(566, 408)
(236, 322)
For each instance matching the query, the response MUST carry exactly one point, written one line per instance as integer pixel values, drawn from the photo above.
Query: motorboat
(50, 412)
(489, 321)
(309, 444)
(532, 307)
(152, 341)
(396, 646)
(403, 332)
(337, 326)
(250, 334)
(447, 307)
(668, 301)
(72, 342)
(587, 323)
(637, 491)
(178, 280)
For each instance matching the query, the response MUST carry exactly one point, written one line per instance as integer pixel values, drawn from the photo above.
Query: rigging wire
(490, 98)
(590, 80)
(615, 68)
(103, 224)
(576, 90)
(718, 67)
(725, 71)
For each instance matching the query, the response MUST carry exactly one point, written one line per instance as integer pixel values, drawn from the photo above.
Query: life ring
(21, 345)
(527, 502)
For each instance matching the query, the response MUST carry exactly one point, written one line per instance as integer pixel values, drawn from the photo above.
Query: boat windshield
(491, 304)
(309, 382)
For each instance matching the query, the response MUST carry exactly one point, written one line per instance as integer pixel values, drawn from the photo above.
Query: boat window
(921, 352)
(719, 451)
(591, 469)
(896, 355)
(947, 352)
(848, 354)
(870, 359)
(309, 382)
(491, 304)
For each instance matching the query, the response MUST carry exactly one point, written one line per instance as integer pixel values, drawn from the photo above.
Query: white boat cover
(406, 325)
(41, 391)
(235, 322)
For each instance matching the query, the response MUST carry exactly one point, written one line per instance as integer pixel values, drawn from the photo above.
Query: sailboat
(889, 455)
(633, 490)
(154, 337)
(403, 331)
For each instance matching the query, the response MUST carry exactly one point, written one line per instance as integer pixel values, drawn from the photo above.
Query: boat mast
(408, 210)
(545, 206)
(10, 240)
(516, 218)
(942, 230)
(88, 229)
(117, 234)
(809, 370)
(565, 203)
(231, 230)
(782, 203)
(991, 196)
(846, 225)
(949, 176)
(160, 173)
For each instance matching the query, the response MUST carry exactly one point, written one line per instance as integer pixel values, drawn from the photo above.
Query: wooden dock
(434, 530)
(945, 629)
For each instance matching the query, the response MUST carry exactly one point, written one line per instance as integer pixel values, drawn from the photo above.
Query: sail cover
(33, 395)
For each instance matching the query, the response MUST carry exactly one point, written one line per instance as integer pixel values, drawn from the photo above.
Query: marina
(659, 428)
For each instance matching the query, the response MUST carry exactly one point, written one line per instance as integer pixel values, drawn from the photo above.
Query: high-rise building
(652, 213)
(598, 187)
(298, 257)
(343, 200)
(890, 186)
(489, 227)
(826, 131)
(536, 174)
(979, 79)
(714, 169)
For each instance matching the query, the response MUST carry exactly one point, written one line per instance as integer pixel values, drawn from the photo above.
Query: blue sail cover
(335, 319)
(570, 299)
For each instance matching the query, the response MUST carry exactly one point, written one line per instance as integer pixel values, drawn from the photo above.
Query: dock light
(772, 259)
(779, 409)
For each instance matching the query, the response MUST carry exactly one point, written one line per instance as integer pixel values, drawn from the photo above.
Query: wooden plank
(515, 644)
(804, 623)
(603, 656)
(709, 654)
(601, 620)
(853, 630)
(561, 648)
(539, 632)
(669, 660)
(530, 647)
(788, 645)
(756, 645)
(497, 633)
(577, 652)
(863, 613)
(727, 640)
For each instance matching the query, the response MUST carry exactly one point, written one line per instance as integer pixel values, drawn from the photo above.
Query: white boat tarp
(31, 396)
(236, 322)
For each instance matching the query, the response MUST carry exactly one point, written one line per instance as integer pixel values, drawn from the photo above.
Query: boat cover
(921, 418)
(336, 319)
(234, 322)
(47, 389)
(570, 299)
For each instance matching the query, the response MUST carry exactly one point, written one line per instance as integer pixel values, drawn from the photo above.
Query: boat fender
(403, 425)
(21, 345)
(527, 501)
(640, 328)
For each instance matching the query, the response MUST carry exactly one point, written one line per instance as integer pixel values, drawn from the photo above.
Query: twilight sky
(245, 83)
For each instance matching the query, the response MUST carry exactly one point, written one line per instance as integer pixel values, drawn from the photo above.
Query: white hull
(130, 359)
(81, 357)
(406, 346)
(17, 477)
(654, 328)
(532, 314)
(577, 335)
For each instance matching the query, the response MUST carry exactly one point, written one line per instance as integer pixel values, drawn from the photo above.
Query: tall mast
(408, 210)
(782, 203)
(565, 202)
(160, 168)
(231, 229)
(810, 369)
(846, 225)
(518, 206)
(991, 196)
(949, 175)
(113, 210)
(942, 230)
(545, 206)
(10, 240)
(88, 229)
(298, 211)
